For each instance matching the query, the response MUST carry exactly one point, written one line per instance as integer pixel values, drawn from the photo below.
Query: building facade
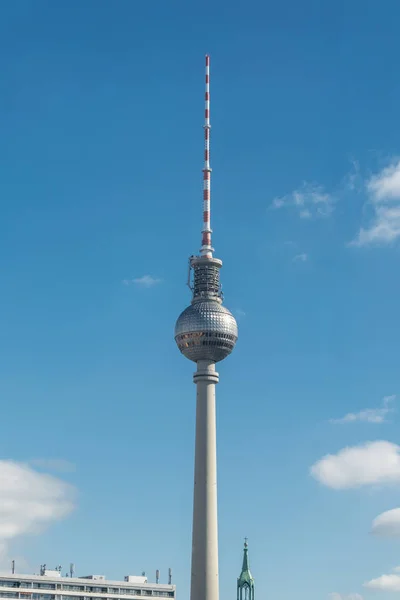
(51, 586)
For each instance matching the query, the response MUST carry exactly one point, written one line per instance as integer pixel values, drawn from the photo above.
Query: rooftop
(54, 576)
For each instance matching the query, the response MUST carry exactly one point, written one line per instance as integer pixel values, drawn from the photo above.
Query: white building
(51, 586)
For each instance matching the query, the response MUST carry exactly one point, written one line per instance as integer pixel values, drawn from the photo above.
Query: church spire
(245, 582)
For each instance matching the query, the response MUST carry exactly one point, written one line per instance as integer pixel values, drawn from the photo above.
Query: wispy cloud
(383, 190)
(382, 206)
(369, 415)
(310, 201)
(146, 281)
(353, 181)
(303, 257)
(29, 501)
(337, 596)
(355, 466)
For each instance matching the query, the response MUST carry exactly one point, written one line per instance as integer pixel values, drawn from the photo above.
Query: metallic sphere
(206, 330)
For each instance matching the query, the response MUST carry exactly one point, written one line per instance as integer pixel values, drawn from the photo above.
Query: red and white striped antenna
(206, 249)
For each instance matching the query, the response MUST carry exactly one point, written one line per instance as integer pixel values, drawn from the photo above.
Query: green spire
(245, 582)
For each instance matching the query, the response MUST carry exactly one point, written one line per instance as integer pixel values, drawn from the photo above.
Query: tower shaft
(204, 576)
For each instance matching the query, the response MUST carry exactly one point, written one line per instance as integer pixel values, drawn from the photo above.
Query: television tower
(206, 333)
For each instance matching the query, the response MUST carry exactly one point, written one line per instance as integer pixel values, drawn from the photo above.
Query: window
(46, 586)
(9, 594)
(73, 588)
(246, 592)
(10, 583)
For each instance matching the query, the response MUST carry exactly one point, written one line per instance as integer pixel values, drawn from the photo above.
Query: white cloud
(386, 184)
(303, 257)
(385, 583)
(369, 415)
(387, 524)
(385, 227)
(310, 200)
(145, 281)
(367, 464)
(29, 501)
(384, 199)
(337, 596)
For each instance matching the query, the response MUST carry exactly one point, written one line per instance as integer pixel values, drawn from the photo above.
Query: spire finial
(245, 585)
(206, 249)
(245, 565)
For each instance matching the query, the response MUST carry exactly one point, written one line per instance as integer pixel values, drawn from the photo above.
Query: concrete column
(204, 579)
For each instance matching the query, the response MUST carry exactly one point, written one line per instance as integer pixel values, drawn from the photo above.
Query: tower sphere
(206, 330)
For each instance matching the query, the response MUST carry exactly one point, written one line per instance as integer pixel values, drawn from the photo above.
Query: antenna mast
(206, 249)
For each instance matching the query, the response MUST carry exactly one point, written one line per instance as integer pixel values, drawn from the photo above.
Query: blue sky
(101, 110)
